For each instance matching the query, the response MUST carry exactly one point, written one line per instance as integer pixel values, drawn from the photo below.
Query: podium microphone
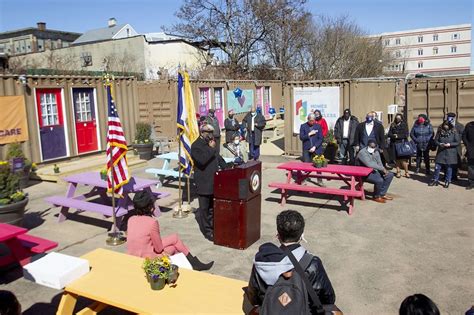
(230, 150)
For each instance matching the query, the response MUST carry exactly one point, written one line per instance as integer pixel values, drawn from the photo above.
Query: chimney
(112, 22)
(41, 26)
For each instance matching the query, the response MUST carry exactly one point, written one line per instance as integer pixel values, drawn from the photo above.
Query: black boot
(446, 185)
(433, 183)
(417, 170)
(197, 264)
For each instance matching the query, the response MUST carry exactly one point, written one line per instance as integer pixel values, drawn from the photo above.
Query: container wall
(124, 97)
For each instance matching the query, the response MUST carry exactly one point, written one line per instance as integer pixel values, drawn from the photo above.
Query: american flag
(117, 166)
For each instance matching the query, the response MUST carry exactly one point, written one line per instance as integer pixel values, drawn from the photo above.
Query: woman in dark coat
(468, 139)
(422, 133)
(397, 133)
(447, 140)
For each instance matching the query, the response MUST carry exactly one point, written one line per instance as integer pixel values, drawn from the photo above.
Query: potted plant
(157, 271)
(12, 200)
(330, 146)
(143, 144)
(21, 165)
(103, 174)
(320, 161)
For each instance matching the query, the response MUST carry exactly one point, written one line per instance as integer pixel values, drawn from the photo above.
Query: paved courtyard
(422, 242)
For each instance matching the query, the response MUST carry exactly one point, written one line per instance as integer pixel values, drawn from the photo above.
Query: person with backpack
(276, 285)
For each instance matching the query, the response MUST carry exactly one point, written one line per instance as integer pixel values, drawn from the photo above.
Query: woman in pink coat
(143, 234)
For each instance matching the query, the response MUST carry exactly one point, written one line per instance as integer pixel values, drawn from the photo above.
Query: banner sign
(240, 102)
(307, 99)
(13, 123)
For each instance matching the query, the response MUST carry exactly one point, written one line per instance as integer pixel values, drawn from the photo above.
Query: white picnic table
(166, 171)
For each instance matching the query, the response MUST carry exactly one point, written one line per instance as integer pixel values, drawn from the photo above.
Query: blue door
(51, 123)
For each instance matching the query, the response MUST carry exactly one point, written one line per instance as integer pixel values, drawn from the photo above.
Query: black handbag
(326, 309)
(405, 148)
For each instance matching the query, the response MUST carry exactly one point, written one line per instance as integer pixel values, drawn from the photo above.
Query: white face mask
(236, 142)
(371, 150)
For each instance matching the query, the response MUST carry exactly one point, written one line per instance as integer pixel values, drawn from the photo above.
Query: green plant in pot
(330, 145)
(15, 155)
(143, 143)
(157, 271)
(319, 161)
(12, 200)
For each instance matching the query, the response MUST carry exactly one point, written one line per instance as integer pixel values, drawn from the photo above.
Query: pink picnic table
(298, 172)
(21, 245)
(98, 186)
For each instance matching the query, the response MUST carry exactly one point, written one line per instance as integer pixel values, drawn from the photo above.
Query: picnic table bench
(83, 202)
(166, 171)
(21, 245)
(299, 172)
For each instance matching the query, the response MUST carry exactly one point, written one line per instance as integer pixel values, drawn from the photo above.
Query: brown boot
(379, 200)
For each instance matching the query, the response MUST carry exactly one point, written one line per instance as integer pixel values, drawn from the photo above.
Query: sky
(373, 16)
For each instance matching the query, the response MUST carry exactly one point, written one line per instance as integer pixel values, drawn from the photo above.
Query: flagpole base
(115, 239)
(179, 213)
(188, 208)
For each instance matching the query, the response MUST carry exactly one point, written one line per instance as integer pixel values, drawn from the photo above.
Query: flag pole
(115, 237)
(178, 212)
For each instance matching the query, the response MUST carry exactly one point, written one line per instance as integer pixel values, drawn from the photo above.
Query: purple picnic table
(99, 189)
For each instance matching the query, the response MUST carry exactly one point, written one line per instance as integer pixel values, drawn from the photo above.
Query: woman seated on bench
(143, 234)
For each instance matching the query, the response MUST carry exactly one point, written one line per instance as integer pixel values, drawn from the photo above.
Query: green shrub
(143, 133)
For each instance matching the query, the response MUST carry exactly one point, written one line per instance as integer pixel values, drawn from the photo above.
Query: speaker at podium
(237, 205)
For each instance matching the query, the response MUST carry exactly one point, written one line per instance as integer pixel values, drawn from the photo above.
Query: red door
(85, 118)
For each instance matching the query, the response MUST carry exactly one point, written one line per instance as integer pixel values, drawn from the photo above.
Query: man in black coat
(344, 132)
(451, 118)
(206, 163)
(254, 122)
(232, 126)
(468, 139)
(271, 262)
(212, 120)
(369, 129)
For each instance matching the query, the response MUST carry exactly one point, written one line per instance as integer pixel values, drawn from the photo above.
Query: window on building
(65, 44)
(40, 44)
(420, 64)
(435, 50)
(2, 48)
(53, 44)
(396, 67)
(217, 98)
(420, 39)
(398, 54)
(420, 52)
(453, 49)
(16, 46)
(387, 42)
(435, 37)
(397, 41)
(456, 36)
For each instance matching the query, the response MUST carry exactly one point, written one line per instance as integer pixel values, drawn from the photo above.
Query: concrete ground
(422, 242)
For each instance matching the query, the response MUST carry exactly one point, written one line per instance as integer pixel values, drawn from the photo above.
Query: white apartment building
(434, 51)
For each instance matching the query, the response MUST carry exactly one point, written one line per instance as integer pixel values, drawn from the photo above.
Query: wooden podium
(237, 205)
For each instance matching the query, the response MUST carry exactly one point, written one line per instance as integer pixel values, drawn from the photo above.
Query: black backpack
(288, 296)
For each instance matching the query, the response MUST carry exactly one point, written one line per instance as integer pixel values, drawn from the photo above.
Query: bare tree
(230, 25)
(340, 49)
(287, 23)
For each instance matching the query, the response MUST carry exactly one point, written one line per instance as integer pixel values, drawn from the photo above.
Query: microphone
(230, 150)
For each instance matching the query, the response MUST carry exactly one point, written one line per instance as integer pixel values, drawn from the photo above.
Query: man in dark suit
(232, 126)
(254, 122)
(311, 136)
(205, 157)
(367, 130)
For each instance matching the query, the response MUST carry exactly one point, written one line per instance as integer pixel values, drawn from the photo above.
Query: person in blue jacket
(311, 135)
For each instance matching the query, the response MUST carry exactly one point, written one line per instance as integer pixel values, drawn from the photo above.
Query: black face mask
(231, 116)
(347, 116)
(318, 117)
(207, 136)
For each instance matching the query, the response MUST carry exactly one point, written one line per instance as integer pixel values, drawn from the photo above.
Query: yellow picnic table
(118, 280)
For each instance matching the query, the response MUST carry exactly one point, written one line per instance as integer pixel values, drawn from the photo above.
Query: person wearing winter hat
(143, 234)
(451, 118)
(422, 134)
